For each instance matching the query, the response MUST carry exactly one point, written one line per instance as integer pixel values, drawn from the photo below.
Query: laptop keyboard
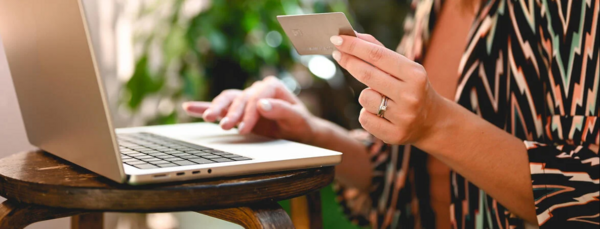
(150, 151)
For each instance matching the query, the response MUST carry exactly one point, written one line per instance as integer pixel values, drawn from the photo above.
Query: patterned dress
(532, 68)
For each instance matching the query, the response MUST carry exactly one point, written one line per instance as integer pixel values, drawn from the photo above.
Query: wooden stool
(40, 187)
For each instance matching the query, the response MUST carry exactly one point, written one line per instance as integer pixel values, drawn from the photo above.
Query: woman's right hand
(266, 108)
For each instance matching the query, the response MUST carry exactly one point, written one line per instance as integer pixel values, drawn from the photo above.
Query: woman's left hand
(412, 101)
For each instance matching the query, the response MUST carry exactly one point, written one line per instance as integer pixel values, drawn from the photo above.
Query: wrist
(321, 132)
(441, 118)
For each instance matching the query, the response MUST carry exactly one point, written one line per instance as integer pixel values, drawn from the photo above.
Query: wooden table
(40, 187)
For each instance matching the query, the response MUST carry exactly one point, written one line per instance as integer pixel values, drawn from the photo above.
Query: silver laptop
(64, 107)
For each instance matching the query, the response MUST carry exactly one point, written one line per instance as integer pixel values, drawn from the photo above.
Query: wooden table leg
(15, 215)
(267, 215)
(306, 211)
(88, 221)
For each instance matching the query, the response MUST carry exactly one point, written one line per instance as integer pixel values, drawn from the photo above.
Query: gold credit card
(310, 33)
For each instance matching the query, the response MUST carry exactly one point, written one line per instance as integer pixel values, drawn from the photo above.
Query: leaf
(141, 83)
(175, 45)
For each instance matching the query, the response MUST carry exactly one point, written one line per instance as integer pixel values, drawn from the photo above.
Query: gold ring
(382, 106)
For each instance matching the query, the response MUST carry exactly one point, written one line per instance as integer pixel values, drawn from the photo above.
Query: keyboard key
(158, 154)
(212, 157)
(146, 166)
(240, 158)
(201, 154)
(167, 165)
(151, 159)
(194, 151)
(136, 163)
(183, 163)
(190, 157)
(202, 161)
(149, 151)
(144, 157)
(160, 162)
(174, 159)
(181, 154)
(222, 160)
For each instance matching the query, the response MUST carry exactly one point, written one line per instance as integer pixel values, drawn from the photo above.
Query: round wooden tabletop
(40, 178)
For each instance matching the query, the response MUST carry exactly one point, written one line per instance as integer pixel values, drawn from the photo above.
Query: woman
(524, 151)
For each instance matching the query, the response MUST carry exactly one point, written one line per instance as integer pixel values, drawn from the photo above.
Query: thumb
(277, 110)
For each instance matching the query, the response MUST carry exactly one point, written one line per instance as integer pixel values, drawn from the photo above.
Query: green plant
(227, 45)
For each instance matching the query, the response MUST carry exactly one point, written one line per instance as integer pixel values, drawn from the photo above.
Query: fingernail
(336, 55)
(241, 126)
(265, 104)
(336, 40)
(224, 121)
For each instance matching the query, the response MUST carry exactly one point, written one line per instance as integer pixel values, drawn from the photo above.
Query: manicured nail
(224, 121)
(336, 55)
(265, 104)
(336, 40)
(241, 126)
(185, 105)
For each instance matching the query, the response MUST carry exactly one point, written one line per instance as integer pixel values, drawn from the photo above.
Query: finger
(277, 110)
(281, 91)
(381, 57)
(369, 38)
(270, 87)
(195, 109)
(251, 114)
(236, 110)
(379, 127)
(367, 74)
(220, 105)
(371, 100)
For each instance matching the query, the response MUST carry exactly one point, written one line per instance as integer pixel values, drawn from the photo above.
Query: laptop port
(180, 174)
(209, 171)
(160, 176)
(195, 172)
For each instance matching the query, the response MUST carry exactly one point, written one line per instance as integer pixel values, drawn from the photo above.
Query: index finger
(379, 56)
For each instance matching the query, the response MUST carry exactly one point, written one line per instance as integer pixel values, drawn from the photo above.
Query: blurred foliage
(194, 57)
(224, 46)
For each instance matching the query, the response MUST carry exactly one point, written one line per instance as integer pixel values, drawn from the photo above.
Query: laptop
(64, 107)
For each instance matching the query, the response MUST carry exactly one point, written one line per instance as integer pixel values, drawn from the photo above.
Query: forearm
(355, 169)
(485, 155)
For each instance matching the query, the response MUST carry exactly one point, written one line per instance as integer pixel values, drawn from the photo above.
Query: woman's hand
(266, 108)
(417, 115)
(412, 101)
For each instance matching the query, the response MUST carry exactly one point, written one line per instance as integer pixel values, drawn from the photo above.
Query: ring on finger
(382, 107)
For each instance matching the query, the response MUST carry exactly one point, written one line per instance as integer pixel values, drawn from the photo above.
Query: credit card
(310, 33)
